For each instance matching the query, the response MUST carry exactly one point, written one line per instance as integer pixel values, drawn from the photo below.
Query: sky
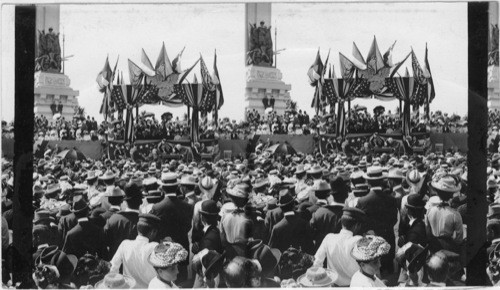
(93, 32)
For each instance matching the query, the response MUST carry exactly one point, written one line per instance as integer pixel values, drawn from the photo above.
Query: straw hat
(446, 183)
(167, 254)
(374, 173)
(115, 281)
(207, 186)
(317, 277)
(369, 248)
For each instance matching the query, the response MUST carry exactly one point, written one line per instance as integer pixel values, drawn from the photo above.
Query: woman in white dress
(367, 252)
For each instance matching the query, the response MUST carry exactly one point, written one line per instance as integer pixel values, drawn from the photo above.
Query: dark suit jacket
(292, 231)
(120, 226)
(66, 223)
(176, 219)
(273, 217)
(491, 248)
(326, 220)
(85, 237)
(210, 240)
(108, 213)
(416, 233)
(381, 210)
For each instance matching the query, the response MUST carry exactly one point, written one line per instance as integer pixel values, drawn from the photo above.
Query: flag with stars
(359, 89)
(432, 92)
(329, 91)
(420, 89)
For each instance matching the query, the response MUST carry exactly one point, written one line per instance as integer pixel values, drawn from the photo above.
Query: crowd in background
(262, 220)
(269, 123)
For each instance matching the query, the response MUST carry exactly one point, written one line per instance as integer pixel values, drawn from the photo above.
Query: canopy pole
(349, 110)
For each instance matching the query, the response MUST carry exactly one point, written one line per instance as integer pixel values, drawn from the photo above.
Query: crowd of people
(147, 127)
(263, 220)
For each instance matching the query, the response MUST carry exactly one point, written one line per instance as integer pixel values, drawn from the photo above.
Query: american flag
(420, 91)
(431, 82)
(393, 87)
(118, 97)
(315, 71)
(329, 91)
(206, 79)
(104, 77)
(418, 73)
(148, 95)
(358, 90)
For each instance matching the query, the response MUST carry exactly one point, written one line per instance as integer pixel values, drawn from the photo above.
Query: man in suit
(66, 223)
(326, 219)
(123, 224)
(416, 232)
(115, 199)
(87, 236)
(292, 230)
(381, 210)
(176, 217)
(211, 234)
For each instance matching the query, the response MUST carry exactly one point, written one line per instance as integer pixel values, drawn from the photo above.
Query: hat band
(207, 188)
(378, 174)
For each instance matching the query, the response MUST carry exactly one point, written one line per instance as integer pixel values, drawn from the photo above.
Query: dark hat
(322, 189)
(96, 216)
(355, 213)
(285, 198)
(149, 219)
(154, 196)
(80, 206)
(65, 264)
(132, 191)
(42, 215)
(212, 261)
(415, 254)
(415, 201)
(209, 207)
(268, 258)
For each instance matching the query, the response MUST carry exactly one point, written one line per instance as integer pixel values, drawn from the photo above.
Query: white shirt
(336, 248)
(134, 254)
(360, 280)
(157, 284)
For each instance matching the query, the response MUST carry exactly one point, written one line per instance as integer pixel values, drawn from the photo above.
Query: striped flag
(219, 97)
(420, 90)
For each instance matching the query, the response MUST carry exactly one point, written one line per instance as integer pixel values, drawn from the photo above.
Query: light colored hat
(375, 173)
(369, 248)
(317, 277)
(315, 169)
(167, 254)
(207, 186)
(413, 176)
(168, 179)
(115, 281)
(395, 173)
(188, 180)
(241, 190)
(446, 183)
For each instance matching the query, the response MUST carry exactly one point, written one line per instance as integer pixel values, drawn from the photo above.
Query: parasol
(56, 116)
(71, 154)
(281, 149)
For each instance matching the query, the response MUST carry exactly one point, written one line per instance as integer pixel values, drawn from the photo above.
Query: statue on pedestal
(260, 50)
(49, 52)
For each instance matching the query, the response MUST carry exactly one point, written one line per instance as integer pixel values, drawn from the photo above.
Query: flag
(431, 82)
(135, 73)
(418, 72)
(329, 91)
(163, 66)
(357, 54)
(420, 89)
(145, 60)
(219, 96)
(104, 77)
(315, 71)
(330, 72)
(388, 56)
(206, 79)
(176, 63)
(374, 60)
(119, 97)
(395, 69)
(186, 72)
(326, 64)
(346, 67)
(359, 89)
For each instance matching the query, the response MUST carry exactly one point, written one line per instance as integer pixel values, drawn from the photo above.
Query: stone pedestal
(266, 81)
(493, 87)
(54, 88)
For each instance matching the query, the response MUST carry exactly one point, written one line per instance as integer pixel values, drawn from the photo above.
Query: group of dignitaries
(265, 221)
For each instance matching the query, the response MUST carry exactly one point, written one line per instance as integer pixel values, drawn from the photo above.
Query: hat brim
(436, 186)
(214, 264)
(378, 177)
(286, 203)
(418, 261)
(331, 276)
(129, 282)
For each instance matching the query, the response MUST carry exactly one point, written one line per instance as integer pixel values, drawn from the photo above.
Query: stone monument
(53, 93)
(264, 85)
